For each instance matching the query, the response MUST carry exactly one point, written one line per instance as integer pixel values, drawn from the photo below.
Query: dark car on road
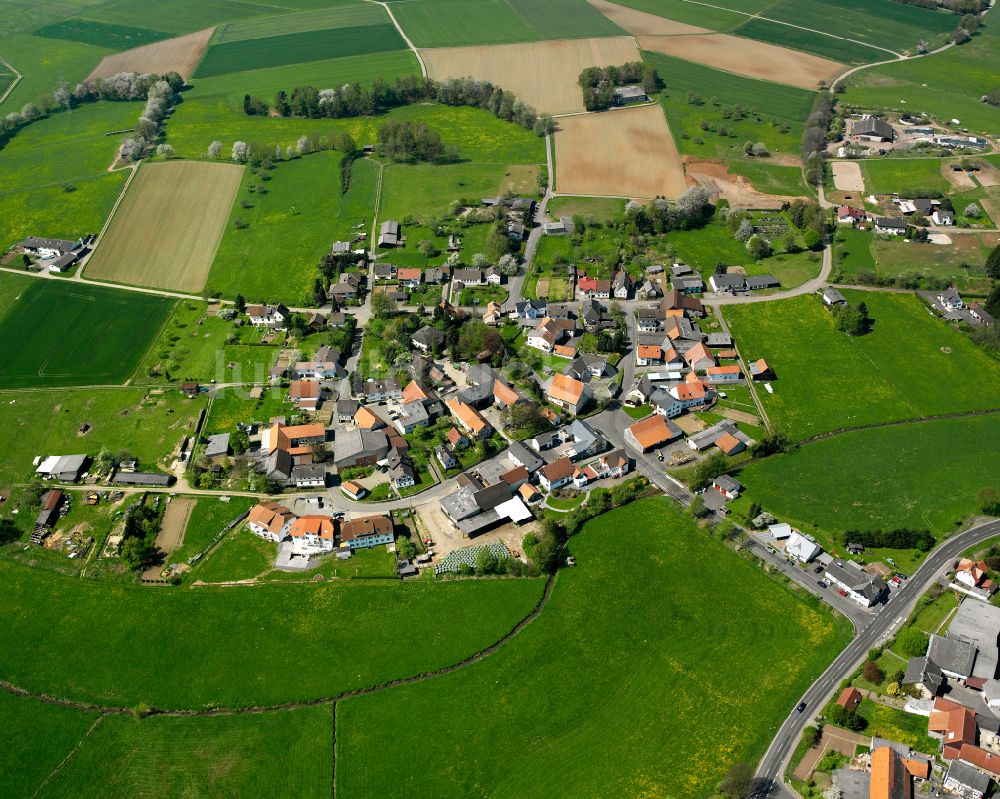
(801, 706)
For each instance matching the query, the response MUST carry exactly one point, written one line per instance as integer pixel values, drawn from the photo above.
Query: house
(309, 475)
(688, 285)
(427, 339)
(965, 781)
(64, 262)
(586, 441)
(953, 656)
(346, 409)
(833, 297)
(515, 477)
(863, 588)
(319, 369)
(981, 315)
(409, 277)
(383, 271)
(50, 248)
(434, 275)
(890, 226)
(586, 366)
(347, 288)
(730, 282)
(366, 531)
(760, 370)
(648, 355)
(305, 394)
(871, 128)
(799, 547)
(621, 285)
(723, 374)
(728, 486)
(275, 317)
(412, 415)
(699, 358)
(504, 396)
(950, 299)
(520, 455)
(469, 418)
(758, 282)
(648, 320)
(456, 439)
(704, 439)
(515, 230)
(270, 520)
(493, 276)
(849, 698)
(568, 393)
(467, 277)
(359, 448)
(849, 215)
(379, 390)
(629, 94)
(614, 464)
(595, 316)
(593, 288)
(549, 332)
(446, 457)
(651, 432)
(390, 234)
(277, 467)
(493, 314)
(217, 448)
(528, 493)
(971, 572)
(925, 676)
(943, 217)
(677, 300)
(401, 472)
(530, 309)
(366, 418)
(564, 225)
(556, 474)
(353, 490)
(719, 340)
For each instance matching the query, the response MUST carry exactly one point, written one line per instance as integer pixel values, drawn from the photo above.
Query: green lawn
(232, 405)
(226, 644)
(770, 178)
(365, 564)
(207, 520)
(425, 191)
(44, 64)
(827, 380)
(922, 475)
(263, 754)
(241, 556)
(903, 176)
(584, 705)
(897, 725)
(63, 334)
(853, 252)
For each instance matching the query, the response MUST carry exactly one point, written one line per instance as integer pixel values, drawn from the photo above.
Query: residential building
(456, 439)
(953, 656)
(520, 455)
(556, 474)
(760, 370)
(271, 521)
(621, 285)
(729, 282)
(530, 309)
(305, 394)
(384, 271)
(367, 418)
(427, 339)
(648, 355)
(799, 547)
(863, 588)
(729, 373)
(550, 332)
(50, 248)
(353, 489)
(943, 217)
(319, 370)
(367, 531)
(469, 418)
(699, 358)
(412, 415)
(890, 226)
(446, 457)
(925, 676)
(401, 472)
(871, 128)
(311, 535)
(593, 288)
(966, 781)
(848, 215)
(568, 393)
(493, 315)
(586, 441)
(217, 448)
(849, 698)
(624, 95)
(275, 317)
(468, 277)
(651, 432)
(758, 282)
(950, 299)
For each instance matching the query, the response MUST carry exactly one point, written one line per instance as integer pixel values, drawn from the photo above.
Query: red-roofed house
(591, 288)
(849, 698)
(723, 374)
(648, 354)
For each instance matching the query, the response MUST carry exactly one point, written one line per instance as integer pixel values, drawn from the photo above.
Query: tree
(544, 124)
(8, 531)
(708, 469)
(239, 154)
(215, 149)
(848, 719)
(872, 672)
(911, 642)
(405, 548)
(382, 304)
(136, 553)
(241, 303)
(973, 211)
(486, 562)
(164, 151)
(760, 150)
(697, 507)
(960, 36)
(987, 499)
(758, 247)
(993, 263)
(744, 231)
(738, 782)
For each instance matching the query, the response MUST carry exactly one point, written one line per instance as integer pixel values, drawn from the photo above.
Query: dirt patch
(739, 416)
(834, 738)
(988, 174)
(542, 287)
(639, 23)
(939, 238)
(175, 519)
(746, 57)
(627, 153)
(847, 176)
(960, 179)
(739, 191)
(181, 55)
(690, 424)
(543, 74)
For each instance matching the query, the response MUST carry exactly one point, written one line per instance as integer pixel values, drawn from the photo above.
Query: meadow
(775, 113)
(921, 475)
(424, 191)
(770, 178)
(224, 646)
(241, 556)
(600, 208)
(345, 16)
(587, 706)
(284, 753)
(180, 16)
(112, 37)
(714, 17)
(233, 405)
(962, 261)
(295, 48)
(827, 380)
(903, 176)
(43, 68)
(207, 520)
(814, 42)
(62, 334)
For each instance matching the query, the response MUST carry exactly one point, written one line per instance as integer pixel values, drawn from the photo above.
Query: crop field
(917, 475)
(641, 23)
(809, 41)
(322, 19)
(770, 178)
(190, 202)
(344, 636)
(113, 37)
(827, 380)
(903, 175)
(588, 709)
(714, 16)
(44, 67)
(517, 67)
(776, 112)
(619, 153)
(62, 334)
(295, 48)
(746, 57)
(294, 223)
(180, 54)
(179, 16)
(564, 19)
(284, 753)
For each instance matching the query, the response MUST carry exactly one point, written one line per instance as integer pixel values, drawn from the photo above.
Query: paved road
(880, 627)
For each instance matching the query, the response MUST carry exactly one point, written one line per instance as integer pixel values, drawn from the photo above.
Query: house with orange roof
(270, 520)
(564, 351)
(504, 396)
(528, 493)
(760, 370)
(456, 438)
(306, 394)
(469, 418)
(367, 419)
(493, 314)
(353, 490)
(699, 357)
(414, 392)
(730, 444)
(723, 374)
(409, 278)
(849, 698)
(648, 354)
(971, 577)
(651, 432)
(366, 531)
(311, 535)
(515, 477)
(567, 392)
(550, 332)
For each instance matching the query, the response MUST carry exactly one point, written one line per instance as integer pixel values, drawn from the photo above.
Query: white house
(311, 535)
(271, 521)
(861, 587)
(950, 299)
(556, 474)
(276, 316)
(890, 226)
(943, 217)
(800, 548)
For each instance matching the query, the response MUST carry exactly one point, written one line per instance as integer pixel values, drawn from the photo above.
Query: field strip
(65, 760)
(414, 50)
(17, 79)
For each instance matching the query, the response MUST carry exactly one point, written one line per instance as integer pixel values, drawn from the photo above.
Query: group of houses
(57, 255)
(315, 534)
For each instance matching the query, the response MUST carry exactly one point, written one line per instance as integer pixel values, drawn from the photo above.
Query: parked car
(818, 569)
(823, 584)
(842, 592)
(895, 582)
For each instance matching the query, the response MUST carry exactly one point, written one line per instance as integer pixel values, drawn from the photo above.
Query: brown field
(988, 174)
(175, 519)
(167, 228)
(747, 57)
(736, 189)
(543, 74)
(639, 23)
(622, 153)
(847, 176)
(960, 180)
(181, 55)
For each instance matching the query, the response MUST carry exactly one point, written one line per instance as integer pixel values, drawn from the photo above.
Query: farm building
(50, 248)
(390, 234)
(143, 479)
(629, 94)
(65, 468)
(870, 128)
(651, 433)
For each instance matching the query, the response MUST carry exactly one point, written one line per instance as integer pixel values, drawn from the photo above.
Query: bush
(872, 672)
(849, 719)
(911, 642)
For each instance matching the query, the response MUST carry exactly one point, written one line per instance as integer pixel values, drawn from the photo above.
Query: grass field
(241, 556)
(770, 178)
(775, 112)
(295, 48)
(903, 176)
(715, 17)
(346, 16)
(265, 754)
(190, 202)
(919, 475)
(425, 191)
(587, 706)
(62, 334)
(113, 37)
(826, 380)
(296, 221)
(225, 645)
(207, 520)
(180, 16)
(601, 208)
(808, 41)
(43, 67)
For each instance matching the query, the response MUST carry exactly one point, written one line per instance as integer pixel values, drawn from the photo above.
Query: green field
(580, 704)
(903, 176)
(296, 221)
(284, 753)
(224, 646)
(813, 42)
(770, 178)
(296, 48)
(712, 16)
(922, 475)
(600, 208)
(962, 261)
(324, 19)
(425, 191)
(827, 380)
(44, 64)
(113, 37)
(209, 517)
(775, 112)
(63, 334)
(241, 556)
(180, 16)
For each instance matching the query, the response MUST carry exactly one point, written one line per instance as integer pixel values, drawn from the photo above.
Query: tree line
(598, 83)
(898, 538)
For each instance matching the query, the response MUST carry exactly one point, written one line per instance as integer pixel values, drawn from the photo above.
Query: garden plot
(627, 153)
(179, 55)
(543, 74)
(847, 176)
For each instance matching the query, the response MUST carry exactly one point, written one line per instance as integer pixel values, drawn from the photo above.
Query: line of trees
(815, 137)
(898, 538)
(160, 96)
(956, 6)
(598, 83)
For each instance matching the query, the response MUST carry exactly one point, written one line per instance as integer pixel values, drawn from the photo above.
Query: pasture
(585, 706)
(751, 59)
(770, 178)
(425, 191)
(113, 37)
(65, 334)
(43, 67)
(809, 41)
(285, 752)
(627, 152)
(903, 175)
(517, 67)
(296, 48)
(917, 475)
(226, 644)
(190, 203)
(180, 54)
(345, 16)
(871, 384)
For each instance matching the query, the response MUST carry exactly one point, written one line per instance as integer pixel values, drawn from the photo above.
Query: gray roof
(347, 407)
(924, 672)
(68, 467)
(468, 276)
(891, 222)
(461, 505)
(728, 483)
(142, 479)
(583, 435)
(428, 336)
(762, 281)
(968, 775)
(979, 623)
(528, 459)
(309, 471)
(491, 496)
(850, 784)
(872, 126)
(860, 582)
(353, 444)
(719, 340)
(389, 226)
(833, 296)
(60, 245)
(415, 412)
(217, 445)
(728, 280)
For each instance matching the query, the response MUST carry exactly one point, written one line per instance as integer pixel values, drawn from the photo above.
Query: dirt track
(181, 55)
(175, 519)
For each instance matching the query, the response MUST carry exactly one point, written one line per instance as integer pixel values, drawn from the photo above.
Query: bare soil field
(739, 191)
(847, 176)
(639, 23)
(167, 228)
(175, 519)
(746, 57)
(988, 174)
(960, 180)
(181, 55)
(623, 153)
(543, 74)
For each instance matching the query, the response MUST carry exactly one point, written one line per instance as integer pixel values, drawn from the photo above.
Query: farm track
(17, 79)
(409, 44)
(111, 710)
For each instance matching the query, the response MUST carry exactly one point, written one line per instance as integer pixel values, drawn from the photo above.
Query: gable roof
(559, 469)
(698, 352)
(652, 431)
(566, 389)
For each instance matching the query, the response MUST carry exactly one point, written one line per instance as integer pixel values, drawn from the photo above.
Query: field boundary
(17, 79)
(72, 753)
(413, 49)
